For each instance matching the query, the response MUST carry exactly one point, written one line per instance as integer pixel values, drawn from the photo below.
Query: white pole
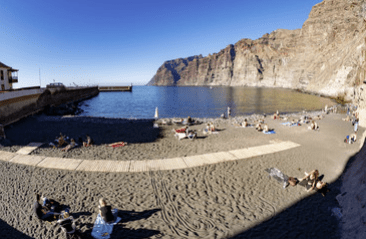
(156, 113)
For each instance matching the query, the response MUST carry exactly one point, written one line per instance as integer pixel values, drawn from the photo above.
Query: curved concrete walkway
(144, 165)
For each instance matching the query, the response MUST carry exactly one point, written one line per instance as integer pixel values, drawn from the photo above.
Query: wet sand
(225, 200)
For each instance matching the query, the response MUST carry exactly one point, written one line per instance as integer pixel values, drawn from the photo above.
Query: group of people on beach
(311, 181)
(62, 142)
(354, 119)
(50, 210)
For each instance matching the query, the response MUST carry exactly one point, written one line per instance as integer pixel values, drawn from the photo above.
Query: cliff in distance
(326, 56)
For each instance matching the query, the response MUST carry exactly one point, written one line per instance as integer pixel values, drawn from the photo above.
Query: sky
(119, 42)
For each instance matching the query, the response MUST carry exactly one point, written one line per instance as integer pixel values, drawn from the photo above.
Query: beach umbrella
(156, 113)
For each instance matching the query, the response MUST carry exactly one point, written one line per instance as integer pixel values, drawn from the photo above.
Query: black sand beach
(226, 200)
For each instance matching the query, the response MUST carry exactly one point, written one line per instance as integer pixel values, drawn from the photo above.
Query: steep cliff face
(325, 56)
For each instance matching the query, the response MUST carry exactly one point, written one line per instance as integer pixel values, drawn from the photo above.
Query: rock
(326, 56)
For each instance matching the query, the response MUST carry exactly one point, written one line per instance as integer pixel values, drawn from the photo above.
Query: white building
(8, 76)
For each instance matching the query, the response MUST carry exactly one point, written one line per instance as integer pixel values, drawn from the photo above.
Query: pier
(114, 88)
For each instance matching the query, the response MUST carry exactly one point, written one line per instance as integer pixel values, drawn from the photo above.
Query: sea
(199, 102)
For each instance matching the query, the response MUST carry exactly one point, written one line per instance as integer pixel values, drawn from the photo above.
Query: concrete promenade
(22, 157)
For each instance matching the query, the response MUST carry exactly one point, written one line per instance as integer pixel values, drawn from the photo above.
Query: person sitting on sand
(276, 115)
(313, 125)
(70, 146)
(212, 127)
(350, 139)
(244, 124)
(322, 187)
(310, 179)
(41, 212)
(265, 128)
(89, 141)
(61, 140)
(258, 127)
(106, 211)
(189, 120)
(67, 225)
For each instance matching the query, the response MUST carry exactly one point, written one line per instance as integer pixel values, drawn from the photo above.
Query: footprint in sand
(184, 226)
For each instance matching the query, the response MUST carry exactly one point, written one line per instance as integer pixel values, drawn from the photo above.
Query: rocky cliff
(326, 56)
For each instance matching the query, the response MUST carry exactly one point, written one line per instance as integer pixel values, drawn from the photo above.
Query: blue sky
(122, 42)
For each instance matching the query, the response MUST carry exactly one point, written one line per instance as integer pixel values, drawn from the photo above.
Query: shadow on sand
(8, 232)
(42, 128)
(119, 231)
(312, 217)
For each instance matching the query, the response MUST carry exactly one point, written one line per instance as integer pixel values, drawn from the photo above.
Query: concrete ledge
(6, 156)
(144, 165)
(60, 163)
(31, 160)
(29, 148)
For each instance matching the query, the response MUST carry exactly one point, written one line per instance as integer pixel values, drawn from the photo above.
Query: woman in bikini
(310, 180)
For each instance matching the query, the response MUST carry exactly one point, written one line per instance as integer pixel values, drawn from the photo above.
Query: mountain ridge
(326, 56)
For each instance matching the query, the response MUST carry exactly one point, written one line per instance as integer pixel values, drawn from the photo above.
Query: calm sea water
(198, 102)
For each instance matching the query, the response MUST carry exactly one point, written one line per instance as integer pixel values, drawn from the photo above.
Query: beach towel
(286, 123)
(117, 144)
(180, 130)
(278, 176)
(269, 132)
(295, 124)
(103, 230)
(180, 135)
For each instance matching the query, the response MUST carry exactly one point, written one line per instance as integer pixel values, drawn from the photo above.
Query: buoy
(156, 113)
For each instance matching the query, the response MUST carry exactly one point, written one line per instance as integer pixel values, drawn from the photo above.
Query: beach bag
(292, 181)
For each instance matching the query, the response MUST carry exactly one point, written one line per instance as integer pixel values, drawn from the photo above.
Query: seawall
(16, 105)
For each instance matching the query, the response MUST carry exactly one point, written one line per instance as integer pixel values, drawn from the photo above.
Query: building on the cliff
(8, 76)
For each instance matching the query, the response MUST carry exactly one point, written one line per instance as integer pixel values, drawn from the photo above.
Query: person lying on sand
(106, 211)
(89, 141)
(310, 179)
(117, 144)
(70, 146)
(181, 130)
(42, 212)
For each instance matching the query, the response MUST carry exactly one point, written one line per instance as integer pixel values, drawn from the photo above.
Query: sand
(226, 200)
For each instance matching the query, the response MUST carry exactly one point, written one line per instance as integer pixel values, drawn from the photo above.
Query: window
(2, 75)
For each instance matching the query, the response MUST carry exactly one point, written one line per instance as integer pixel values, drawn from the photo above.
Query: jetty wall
(15, 105)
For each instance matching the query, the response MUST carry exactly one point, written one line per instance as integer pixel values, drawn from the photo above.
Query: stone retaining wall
(13, 109)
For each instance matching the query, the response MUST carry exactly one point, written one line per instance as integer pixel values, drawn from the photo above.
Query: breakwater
(15, 105)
